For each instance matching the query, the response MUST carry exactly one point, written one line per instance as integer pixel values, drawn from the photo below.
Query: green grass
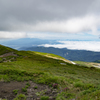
(35, 87)
(82, 82)
(20, 97)
(49, 54)
(52, 56)
(4, 49)
(44, 98)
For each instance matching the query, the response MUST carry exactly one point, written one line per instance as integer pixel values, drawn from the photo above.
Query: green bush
(15, 91)
(20, 97)
(24, 89)
(27, 84)
(61, 96)
(65, 96)
(88, 86)
(19, 79)
(44, 98)
(35, 87)
(86, 92)
(47, 79)
(79, 84)
(6, 78)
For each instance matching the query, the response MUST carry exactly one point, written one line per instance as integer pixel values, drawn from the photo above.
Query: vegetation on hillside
(4, 49)
(68, 82)
(53, 56)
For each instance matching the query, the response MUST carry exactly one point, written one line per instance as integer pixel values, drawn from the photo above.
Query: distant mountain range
(74, 55)
(32, 45)
(27, 42)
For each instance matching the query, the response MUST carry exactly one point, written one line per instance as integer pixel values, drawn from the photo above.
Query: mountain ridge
(73, 55)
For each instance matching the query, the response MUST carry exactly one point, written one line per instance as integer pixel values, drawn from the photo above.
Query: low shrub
(24, 89)
(65, 96)
(27, 84)
(15, 91)
(35, 87)
(20, 97)
(44, 98)
(79, 84)
(47, 79)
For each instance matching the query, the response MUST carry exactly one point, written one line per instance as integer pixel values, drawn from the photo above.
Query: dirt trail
(8, 54)
(98, 66)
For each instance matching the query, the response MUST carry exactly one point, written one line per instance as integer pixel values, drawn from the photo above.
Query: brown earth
(8, 54)
(34, 91)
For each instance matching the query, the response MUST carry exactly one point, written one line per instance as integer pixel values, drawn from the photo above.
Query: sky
(49, 18)
(52, 19)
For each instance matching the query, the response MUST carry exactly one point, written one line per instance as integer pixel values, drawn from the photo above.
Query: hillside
(54, 57)
(88, 64)
(4, 49)
(73, 55)
(33, 76)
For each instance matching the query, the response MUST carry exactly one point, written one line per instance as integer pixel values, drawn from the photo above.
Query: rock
(63, 63)
(38, 99)
(48, 92)
(29, 98)
(54, 91)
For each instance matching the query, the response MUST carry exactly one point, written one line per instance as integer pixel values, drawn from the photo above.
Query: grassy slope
(88, 64)
(73, 81)
(4, 49)
(53, 56)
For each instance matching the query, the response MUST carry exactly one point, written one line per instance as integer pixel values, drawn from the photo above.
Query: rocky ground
(33, 92)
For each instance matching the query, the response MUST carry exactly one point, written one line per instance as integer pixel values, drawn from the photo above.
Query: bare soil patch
(34, 91)
(8, 54)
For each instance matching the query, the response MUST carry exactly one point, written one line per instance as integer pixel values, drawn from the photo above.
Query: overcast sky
(20, 18)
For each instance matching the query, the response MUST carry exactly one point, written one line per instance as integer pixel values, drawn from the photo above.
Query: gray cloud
(12, 35)
(48, 15)
(74, 25)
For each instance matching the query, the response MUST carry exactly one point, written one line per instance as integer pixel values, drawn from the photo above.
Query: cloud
(74, 25)
(61, 36)
(12, 35)
(77, 45)
(46, 35)
(14, 13)
(88, 24)
(56, 16)
(56, 29)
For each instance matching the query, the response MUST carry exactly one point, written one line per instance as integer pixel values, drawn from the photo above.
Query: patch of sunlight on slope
(88, 64)
(54, 56)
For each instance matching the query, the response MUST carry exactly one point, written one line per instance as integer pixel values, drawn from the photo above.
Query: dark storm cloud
(48, 15)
